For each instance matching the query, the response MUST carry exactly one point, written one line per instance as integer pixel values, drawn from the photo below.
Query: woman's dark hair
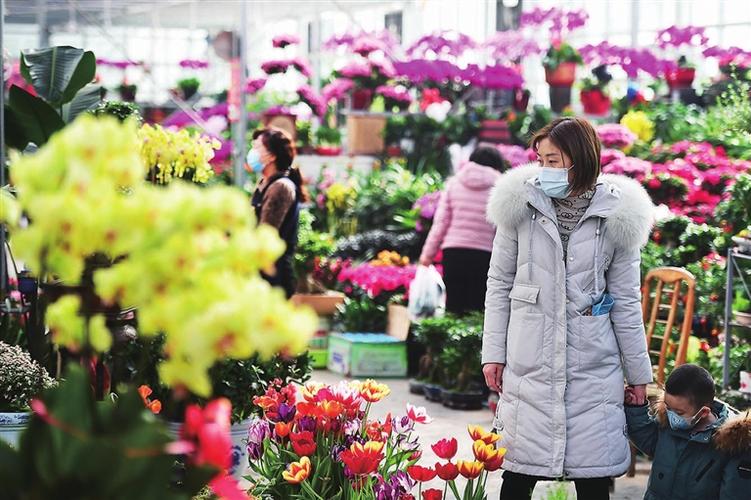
(578, 140)
(692, 382)
(489, 156)
(279, 143)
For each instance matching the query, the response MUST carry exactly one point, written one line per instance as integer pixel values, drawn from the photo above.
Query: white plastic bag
(427, 294)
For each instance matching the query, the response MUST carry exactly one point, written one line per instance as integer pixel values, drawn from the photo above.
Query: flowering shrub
(633, 167)
(614, 135)
(376, 279)
(640, 124)
(21, 378)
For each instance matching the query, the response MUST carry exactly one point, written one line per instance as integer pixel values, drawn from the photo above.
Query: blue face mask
(554, 181)
(678, 423)
(254, 161)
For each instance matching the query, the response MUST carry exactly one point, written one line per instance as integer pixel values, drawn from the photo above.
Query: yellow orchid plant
(187, 257)
(176, 154)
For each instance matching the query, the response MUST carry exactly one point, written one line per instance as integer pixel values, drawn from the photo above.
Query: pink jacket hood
(477, 177)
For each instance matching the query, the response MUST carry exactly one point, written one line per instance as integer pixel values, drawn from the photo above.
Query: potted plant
(188, 87)
(127, 91)
(304, 137)
(432, 334)
(594, 97)
(742, 308)
(21, 379)
(745, 375)
(681, 76)
(328, 140)
(460, 359)
(560, 72)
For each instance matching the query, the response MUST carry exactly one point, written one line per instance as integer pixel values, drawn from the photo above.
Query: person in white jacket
(563, 318)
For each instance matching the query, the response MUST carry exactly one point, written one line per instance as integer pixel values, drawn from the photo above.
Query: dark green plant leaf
(15, 137)
(37, 119)
(57, 73)
(88, 98)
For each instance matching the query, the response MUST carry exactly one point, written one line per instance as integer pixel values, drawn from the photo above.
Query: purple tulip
(306, 424)
(258, 431)
(287, 412)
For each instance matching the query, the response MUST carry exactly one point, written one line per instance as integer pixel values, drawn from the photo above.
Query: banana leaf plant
(61, 77)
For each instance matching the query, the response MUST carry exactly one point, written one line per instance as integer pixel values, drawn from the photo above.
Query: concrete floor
(453, 423)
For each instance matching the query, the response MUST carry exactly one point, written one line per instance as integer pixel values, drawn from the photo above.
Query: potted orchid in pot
(681, 75)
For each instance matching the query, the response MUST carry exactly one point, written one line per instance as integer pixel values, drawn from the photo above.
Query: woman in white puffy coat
(563, 319)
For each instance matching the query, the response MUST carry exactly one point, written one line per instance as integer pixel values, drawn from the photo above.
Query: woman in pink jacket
(462, 232)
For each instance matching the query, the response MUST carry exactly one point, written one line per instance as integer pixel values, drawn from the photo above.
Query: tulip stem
(452, 485)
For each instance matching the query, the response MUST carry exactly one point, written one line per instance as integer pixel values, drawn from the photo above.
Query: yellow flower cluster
(389, 258)
(339, 197)
(187, 257)
(177, 154)
(639, 123)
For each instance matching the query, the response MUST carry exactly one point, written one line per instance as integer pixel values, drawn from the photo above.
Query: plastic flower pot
(393, 150)
(328, 150)
(362, 99)
(563, 75)
(432, 392)
(680, 78)
(416, 386)
(560, 98)
(12, 424)
(471, 400)
(595, 102)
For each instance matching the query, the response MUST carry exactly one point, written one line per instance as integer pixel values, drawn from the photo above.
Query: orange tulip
(331, 409)
(476, 432)
(470, 470)
(496, 463)
(282, 430)
(362, 459)
(297, 471)
(372, 392)
(484, 452)
(310, 390)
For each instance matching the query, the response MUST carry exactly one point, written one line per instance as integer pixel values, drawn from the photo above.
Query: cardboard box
(372, 354)
(365, 134)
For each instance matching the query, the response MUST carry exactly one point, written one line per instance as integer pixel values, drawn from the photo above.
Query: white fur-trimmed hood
(628, 222)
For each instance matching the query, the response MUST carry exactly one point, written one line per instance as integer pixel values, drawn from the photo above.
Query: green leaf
(84, 100)
(37, 119)
(57, 73)
(15, 137)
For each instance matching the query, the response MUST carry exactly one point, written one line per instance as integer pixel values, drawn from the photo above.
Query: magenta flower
(493, 77)
(559, 21)
(194, 64)
(337, 89)
(632, 167)
(609, 155)
(282, 41)
(442, 43)
(316, 102)
(428, 204)
(515, 155)
(364, 43)
(254, 85)
(615, 135)
(732, 55)
(511, 46)
(675, 37)
(632, 60)
(356, 69)
(395, 95)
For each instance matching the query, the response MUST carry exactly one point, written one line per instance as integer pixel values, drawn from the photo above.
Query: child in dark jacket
(698, 450)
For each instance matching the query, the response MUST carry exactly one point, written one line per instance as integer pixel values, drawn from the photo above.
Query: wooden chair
(671, 286)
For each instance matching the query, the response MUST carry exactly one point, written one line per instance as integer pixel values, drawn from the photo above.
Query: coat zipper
(704, 470)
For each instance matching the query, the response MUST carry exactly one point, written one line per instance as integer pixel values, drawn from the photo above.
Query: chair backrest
(674, 287)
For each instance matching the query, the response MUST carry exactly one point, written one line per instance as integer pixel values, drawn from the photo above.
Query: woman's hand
(424, 261)
(494, 376)
(636, 395)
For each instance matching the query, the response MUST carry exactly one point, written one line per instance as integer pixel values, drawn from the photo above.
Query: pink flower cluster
(615, 135)
(312, 99)
(560, 21)
(732, 55)
(510, 46)
(627, 165)
(631, 59)
(516, 155)
(418, 71)
(675, 37)
(119, 64)
(427, 204)
(254, 85)
(194, 64)
(608, 155)
(356, 69)
(364, 43)
(376, 279)
(442, 43)
(282, 41)
(399, 94)
(282, 65)
(337, 89)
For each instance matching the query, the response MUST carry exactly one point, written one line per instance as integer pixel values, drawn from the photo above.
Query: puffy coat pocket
(525, 334)
(597, 343)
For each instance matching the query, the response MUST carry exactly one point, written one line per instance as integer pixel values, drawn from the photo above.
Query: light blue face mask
(254, 161)
(678, 423)
(554, 181)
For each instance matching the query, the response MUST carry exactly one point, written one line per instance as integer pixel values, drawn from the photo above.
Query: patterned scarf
(569, 212)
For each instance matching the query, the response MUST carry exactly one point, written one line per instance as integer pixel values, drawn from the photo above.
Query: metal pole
(634, 23)
(44, 29)
(3, 264)
(242, 123)
(728, 315)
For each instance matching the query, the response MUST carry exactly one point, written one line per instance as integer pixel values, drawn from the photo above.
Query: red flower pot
(680, 78)
(328, 150)
(361, 99)
(562, 76)
(595, 102)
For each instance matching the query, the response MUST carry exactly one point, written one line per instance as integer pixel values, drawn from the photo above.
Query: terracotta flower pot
(680, 78)
(561, 76)
(595, 102)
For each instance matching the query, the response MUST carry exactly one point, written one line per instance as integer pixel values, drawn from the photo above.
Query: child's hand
(634, 397)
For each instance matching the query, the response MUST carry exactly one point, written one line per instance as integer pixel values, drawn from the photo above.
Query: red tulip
(421, 474)
(447, 472)
(208, 429)
(432, 494)
(303, 443)
(363, 459)
(446, 448)
(495, 463)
